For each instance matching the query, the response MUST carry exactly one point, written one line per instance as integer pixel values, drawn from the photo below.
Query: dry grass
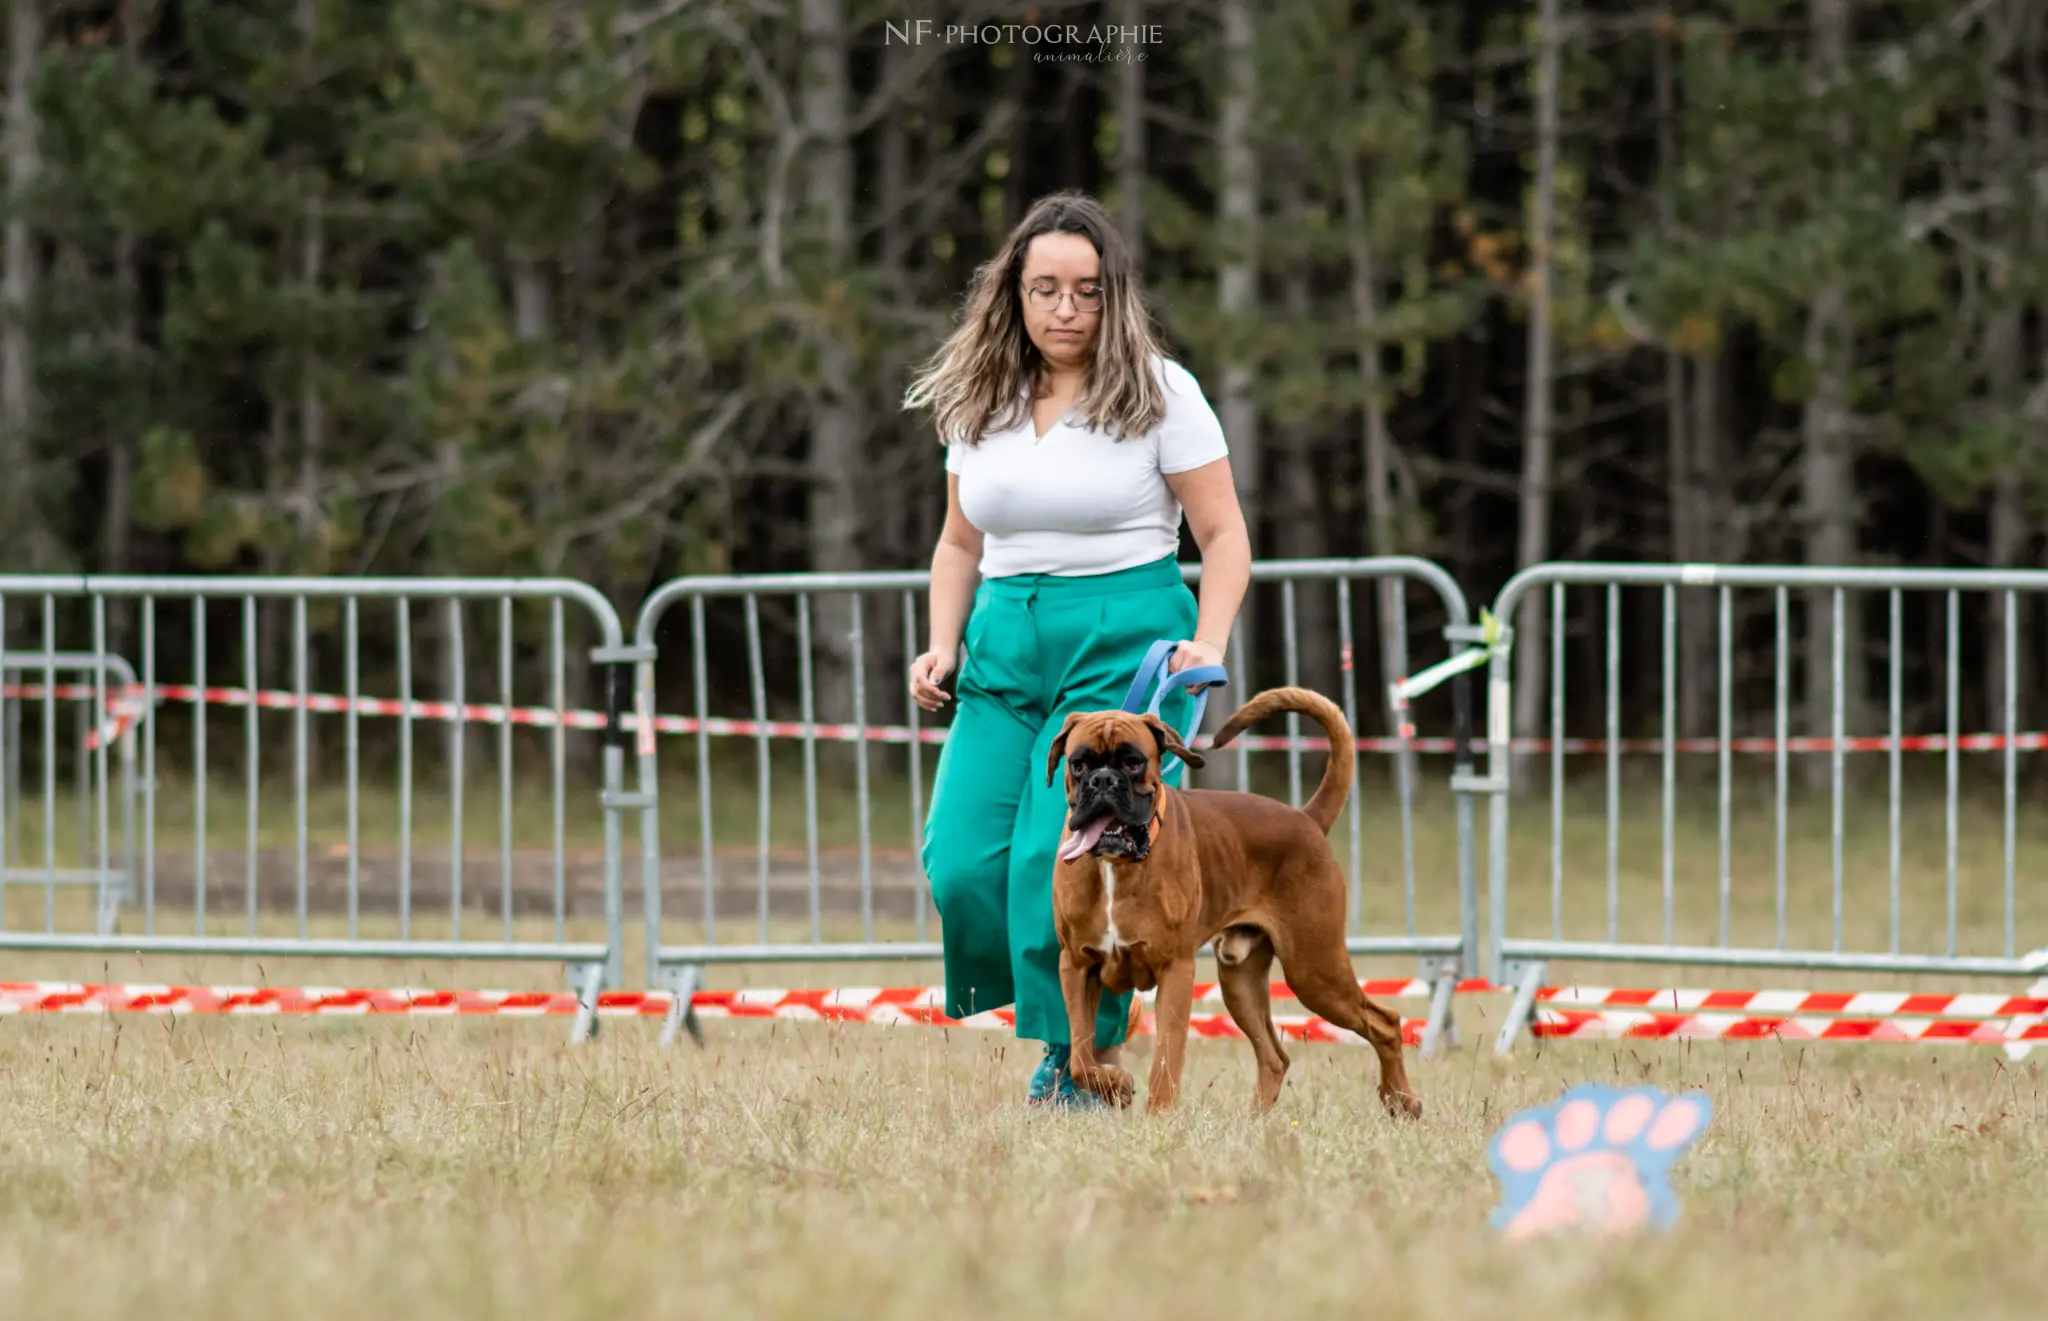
(234, 1169)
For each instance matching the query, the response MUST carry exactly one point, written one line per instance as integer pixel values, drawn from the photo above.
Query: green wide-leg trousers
(1039, 648)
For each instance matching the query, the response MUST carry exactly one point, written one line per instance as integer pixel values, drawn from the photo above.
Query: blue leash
(1153, 678)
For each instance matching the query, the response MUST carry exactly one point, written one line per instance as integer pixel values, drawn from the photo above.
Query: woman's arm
(956, 563)
(1209, 495)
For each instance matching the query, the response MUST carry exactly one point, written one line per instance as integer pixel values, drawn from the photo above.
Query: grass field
(274, 1172)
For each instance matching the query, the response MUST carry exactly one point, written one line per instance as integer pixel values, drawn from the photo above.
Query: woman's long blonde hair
(984, 375)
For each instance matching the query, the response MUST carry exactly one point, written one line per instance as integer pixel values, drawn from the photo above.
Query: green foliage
(479, 286)
(173, 486)
(1791, 184)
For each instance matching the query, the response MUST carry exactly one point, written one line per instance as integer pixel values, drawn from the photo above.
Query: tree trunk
(1469, 374)
(837, 429)
(896, 225)
(1683, 473)
(921, 463)
(1382, 519)
(2035, 42)
(1828, 516)
(1717, 537)
(532, 299)
(1018, 91)
(312, 447)
(117, 511)
(1468, 371)
(28, 544)
(1130, 139)
(1531, 636)
(1237, 294)
(2005, 366)
(533, 322)
(2010, 534)
(533, 317)
(271, 618)
(312, 257)
(1300, 529)
(1828, 456)
(117, 515)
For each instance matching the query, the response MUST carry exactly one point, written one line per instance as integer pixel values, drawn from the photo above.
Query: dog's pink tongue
(1084, 839)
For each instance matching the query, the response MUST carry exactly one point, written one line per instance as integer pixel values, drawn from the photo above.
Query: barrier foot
(1440, 1031)
(1525, 977)
(682, 1009)
(588, 982)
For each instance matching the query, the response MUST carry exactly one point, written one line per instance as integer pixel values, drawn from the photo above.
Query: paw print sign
(1595, 1161)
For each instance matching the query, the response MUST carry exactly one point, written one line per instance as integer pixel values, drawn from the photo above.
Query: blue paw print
(1596, 1159)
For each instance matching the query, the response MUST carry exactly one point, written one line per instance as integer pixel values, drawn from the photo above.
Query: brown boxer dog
(1148, 874)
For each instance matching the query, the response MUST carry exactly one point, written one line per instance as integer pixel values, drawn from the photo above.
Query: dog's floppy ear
(1169, 742)
(1059, 748)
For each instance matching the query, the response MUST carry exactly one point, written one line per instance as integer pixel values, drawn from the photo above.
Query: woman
(1074, 447)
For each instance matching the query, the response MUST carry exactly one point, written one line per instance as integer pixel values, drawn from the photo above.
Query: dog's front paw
(1106, 1081)
(1400, 1104)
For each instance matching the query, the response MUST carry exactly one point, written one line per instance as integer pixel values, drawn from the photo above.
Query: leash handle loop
(1154, 678)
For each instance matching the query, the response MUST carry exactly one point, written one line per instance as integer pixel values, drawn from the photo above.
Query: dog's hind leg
(1339, 1000)
(1322, 977)
(1248, 995)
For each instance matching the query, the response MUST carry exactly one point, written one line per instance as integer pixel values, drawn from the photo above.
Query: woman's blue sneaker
(1052, 1084)
(1046, 1079)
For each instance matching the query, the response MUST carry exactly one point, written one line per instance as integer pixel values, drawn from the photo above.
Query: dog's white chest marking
(1111, 941)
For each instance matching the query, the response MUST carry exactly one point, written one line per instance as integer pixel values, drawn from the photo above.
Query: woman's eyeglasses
(1046, 297)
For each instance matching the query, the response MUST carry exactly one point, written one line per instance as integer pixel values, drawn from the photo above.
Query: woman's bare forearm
(955, 572)
(1226, 576)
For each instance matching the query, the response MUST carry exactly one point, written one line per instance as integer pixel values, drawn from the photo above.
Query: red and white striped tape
(1784, 1003)
(1314, 1030)
(2018, 1048)
(1888, 1017)
(1614, 1024)
(126, 706)
(758, 1002)
(91, 998)
(884, 1007)
(2031, 741)
(1608, 1013)
(919, 1008)
(1390, 988)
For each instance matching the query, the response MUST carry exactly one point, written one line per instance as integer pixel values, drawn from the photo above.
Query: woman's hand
(1209, 495)
(927, 672)
(1191, 654)
(954, 563)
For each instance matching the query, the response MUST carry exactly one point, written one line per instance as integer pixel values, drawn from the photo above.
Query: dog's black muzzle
(1108, 792)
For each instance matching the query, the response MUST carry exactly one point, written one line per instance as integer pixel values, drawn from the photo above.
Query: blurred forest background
(619, 291)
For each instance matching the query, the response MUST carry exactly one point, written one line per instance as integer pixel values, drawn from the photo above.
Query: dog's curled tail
(1331, 794)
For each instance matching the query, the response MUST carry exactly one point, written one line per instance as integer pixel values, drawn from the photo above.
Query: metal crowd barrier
(1649, 916)
(419, 907)
(108, 871)
(789, 923)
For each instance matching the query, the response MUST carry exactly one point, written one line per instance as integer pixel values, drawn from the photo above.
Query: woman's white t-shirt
(1077, 501)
